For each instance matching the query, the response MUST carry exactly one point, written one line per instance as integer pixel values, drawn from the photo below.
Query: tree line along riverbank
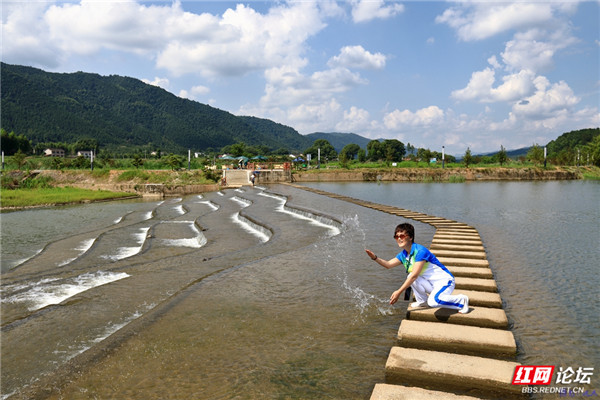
(53, 187)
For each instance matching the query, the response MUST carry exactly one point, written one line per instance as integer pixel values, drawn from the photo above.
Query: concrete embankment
(435, 175)
(443, 354)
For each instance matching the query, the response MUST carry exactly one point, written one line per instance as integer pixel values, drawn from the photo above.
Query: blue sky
(477, 74)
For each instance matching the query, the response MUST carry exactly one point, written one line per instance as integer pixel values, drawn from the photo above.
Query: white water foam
(243, 202)
(212, 205)
(124, 252)
(83, 247)
(251, 228)
(48, 291)
(313, 219)
(147, 216)
(179, 209)
(196, 242)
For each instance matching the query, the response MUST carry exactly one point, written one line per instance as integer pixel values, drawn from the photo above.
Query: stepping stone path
(442, 354)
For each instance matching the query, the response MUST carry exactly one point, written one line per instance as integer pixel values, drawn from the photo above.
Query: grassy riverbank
(23, 198)
(53, 187)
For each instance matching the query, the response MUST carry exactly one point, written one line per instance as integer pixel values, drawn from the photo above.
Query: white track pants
(438, 293)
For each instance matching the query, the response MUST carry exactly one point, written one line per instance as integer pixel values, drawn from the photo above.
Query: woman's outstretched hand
(371, 254)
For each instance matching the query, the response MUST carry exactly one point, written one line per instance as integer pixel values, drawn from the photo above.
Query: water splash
(353, 236)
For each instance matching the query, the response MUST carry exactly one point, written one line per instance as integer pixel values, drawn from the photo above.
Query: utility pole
(443, 156)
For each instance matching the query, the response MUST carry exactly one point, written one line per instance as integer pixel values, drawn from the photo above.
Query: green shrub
(132, 174)
(456, 179)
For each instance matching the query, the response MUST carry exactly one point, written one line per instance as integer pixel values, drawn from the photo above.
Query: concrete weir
(443, 354)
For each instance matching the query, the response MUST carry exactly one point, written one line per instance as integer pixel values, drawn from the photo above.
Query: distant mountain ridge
(121, 111)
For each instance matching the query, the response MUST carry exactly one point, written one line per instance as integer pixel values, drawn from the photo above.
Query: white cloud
(160, 82)
(480, 87)
(481, 20)
(548, 100)
(354, 120)
(245, 40)
(195, 93)
(286, 86)
(87, 27)
(357, 57)
(423, 117)
(367, 10)
(239, 41)
(535, 49)
(25, 38)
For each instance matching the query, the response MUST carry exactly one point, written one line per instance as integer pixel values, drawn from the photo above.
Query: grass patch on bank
(591, 173)
(58, 195)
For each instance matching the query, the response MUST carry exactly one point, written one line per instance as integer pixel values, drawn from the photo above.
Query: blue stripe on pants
(442, 302)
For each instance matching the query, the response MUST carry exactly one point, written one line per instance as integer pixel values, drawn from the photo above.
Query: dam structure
(440, 353)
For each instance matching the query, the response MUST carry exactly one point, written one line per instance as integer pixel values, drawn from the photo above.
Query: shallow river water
(267, 292)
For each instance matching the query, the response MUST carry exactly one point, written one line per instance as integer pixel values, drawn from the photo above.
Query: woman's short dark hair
(408, 228)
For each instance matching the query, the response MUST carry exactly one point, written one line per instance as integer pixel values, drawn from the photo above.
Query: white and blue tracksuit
(435, 283)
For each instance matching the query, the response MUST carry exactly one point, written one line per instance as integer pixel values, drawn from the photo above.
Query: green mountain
(122, 112)
(572, 140)
(339, 140)
(566, 143)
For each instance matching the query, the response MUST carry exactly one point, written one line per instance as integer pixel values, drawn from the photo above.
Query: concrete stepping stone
(383, 391)
(450, 225)
(482, 285)
(464, 262)
(482, 299)
(437, 370)
(464, 229)
(453, 235)
(461, 254)
(456, 241)
(471, 340)
(477, 316)
(471, 272)
(459, 247)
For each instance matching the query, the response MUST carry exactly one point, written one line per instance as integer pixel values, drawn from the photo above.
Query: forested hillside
(120, 111)
(339, 140)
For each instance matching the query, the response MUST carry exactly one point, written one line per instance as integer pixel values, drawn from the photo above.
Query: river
(267, 292)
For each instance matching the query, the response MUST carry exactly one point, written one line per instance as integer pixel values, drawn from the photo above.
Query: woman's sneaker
(465, 308)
